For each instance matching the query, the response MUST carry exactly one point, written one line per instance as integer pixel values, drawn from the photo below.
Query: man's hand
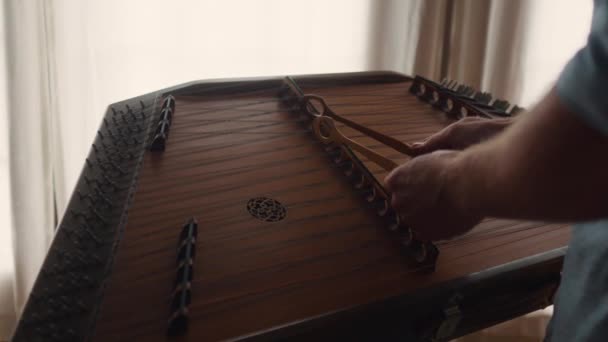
(422, 198)
(548, 165)
(461, 134)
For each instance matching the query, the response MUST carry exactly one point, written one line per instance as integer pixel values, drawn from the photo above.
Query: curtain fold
(503, 74)
(7, 307)
(394, 31)
(432, 49)
(476, 42)
(468, 41)
(29, 105)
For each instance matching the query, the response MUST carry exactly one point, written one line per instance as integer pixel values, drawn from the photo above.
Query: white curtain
(30, 126)
(7, 314)
(68, 59)
(511, 48)
(477, 42)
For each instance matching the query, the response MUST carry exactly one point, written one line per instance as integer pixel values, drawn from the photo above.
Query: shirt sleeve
(583, 84)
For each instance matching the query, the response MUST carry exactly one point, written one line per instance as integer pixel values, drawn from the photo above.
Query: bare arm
(548, 165)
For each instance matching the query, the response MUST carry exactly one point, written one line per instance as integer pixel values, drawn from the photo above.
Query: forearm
(548, 165)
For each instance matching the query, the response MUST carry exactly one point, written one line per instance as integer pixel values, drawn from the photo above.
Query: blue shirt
(581, 304)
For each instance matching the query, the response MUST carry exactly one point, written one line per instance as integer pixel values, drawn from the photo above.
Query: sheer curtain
(512, 48)
(477, 42)
(7, 316)
(68, 59)
(30, 140)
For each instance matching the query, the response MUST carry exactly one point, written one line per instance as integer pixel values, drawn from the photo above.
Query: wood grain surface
(328, 254)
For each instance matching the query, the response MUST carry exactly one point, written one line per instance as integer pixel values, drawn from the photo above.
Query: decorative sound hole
(266, 209)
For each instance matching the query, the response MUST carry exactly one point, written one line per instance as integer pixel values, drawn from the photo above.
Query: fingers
(454, 136)
(416, 188)
(403, 185)
(438, 141)
(397, 178)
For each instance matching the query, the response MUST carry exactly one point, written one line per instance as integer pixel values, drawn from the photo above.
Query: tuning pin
(382, 207)
(158, 143)
(434, 97)
(350, 169)
(116, 167)
(101, 218)
(169, 102)
(343, 163)
(422, 90)
(464, 112)
(501, 105)
(166, 114)
(393, 221)
(515, 110)
(361, 181)
(470, 93)
(76, 214)
(341, 158)
(353, 176)
(371, 194)
(420, 252)
(407, 237)
(163, 126)
(93, 237)
(106, 200)
(488, 98)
